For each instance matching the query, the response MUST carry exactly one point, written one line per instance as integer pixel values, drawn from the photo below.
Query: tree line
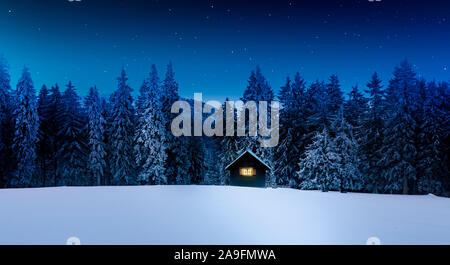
(391, 139)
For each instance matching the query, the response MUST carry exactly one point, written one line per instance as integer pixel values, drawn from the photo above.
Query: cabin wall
(258, 180)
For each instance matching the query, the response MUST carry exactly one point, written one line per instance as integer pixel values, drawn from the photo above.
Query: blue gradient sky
(215, 44)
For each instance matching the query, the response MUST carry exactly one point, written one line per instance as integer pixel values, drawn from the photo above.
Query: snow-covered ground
(218, 215)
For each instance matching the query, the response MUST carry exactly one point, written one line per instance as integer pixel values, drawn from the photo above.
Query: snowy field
(218, 215)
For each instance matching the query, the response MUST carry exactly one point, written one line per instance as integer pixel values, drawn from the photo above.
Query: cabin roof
(250, 153)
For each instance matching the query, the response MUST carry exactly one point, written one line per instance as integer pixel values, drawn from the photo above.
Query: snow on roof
(252, 154)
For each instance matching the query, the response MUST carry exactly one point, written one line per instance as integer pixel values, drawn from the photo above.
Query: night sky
(214, 45)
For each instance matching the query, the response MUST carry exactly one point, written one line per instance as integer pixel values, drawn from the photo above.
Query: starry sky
(214, 45)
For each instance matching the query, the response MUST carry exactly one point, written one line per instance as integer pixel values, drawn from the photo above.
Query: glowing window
(247, 171)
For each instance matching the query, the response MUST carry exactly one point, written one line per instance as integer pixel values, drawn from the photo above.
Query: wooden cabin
(248, 170)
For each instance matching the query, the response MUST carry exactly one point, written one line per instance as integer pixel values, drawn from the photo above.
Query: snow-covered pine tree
(399, 150)
(421, 143)
(150, 149)
(319, 166)
(346, 147)
(96, 132)
(73, 152)
(372, 127)
(431, 139)
(250, 94)
(43, 147)
(6, 124)
(107, 115)
(315, 112)
(292, 131)
(26, 131)
(122, 134)
(258, 89)
(54, 115)
(281, 156)
(144, 91)
(177, 161)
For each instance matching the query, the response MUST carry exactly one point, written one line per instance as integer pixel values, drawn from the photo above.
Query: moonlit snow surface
(218, 215)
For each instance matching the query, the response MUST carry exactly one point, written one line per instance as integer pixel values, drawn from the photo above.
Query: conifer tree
(316, 112)
(54, 115)
(319, 166)
(26, 130)
(399, 150)
(372, 136)
(431, 147)
(6, 124)
(317, 108)
(258, 89)
(107, 115)
(122, 134)
(96, 132)
(346, 148)
(149, 149)
(292, 130)
(177, 161)
(43, 148)
(73, 152)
